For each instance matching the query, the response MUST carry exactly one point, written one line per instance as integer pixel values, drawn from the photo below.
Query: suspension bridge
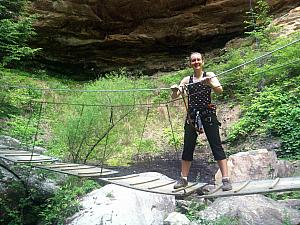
(140, 181)
(144, 182)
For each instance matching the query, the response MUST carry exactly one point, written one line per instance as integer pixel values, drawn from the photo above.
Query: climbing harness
(196, 117)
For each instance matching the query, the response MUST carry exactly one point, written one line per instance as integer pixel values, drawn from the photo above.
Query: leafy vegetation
(18, 206)
(15, 31)
(65, 201)
(258, 20)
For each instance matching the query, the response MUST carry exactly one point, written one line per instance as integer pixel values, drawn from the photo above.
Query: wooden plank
(92, 175)
(78, 167)
(144, 182)
(259, 187)
(162, 185)
(12, 151)
(166, 189)
(66, 166)
(60, 165)
(215, 190)
(123, 177)
(276, 181)
(79, 170)
(184, 188)
(20, 154)
(29, 156)
(94, 171)
(34, 161)
(241, 187)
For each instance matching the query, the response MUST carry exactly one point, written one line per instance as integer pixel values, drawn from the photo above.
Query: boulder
(251, 165)
(176, 218)
(251, 210)
(9, 142)
(116, 205)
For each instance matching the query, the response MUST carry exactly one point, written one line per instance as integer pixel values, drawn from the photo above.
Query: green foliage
(65, 201)
(284, 195)
(18, 108)
(193, 209)
(173, 138)
(13, 204)
(17, 204)
(258, 20)
(273, 110)
(15, 31)
(24, 129)
(10, 9)
(220, 221)
(94, 131)
(175, 78)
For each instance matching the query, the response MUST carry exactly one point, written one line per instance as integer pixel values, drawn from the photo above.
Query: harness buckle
(208, 119)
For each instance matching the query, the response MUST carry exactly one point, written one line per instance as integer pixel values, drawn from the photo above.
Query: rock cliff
(96, 36)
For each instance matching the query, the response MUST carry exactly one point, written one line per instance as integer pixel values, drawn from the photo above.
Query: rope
(172, 130)
(111, 122)
(69, 90)
(147, 114)
(37, 129)
(114, 106)
(106, 133)
(75, 158)
(27, 125)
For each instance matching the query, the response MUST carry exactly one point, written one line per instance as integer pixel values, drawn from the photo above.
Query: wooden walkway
(145, 181)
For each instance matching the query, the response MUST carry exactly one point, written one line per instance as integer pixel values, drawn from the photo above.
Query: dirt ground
(203, 167)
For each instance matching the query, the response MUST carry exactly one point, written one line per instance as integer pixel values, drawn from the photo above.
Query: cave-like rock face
(152, 35)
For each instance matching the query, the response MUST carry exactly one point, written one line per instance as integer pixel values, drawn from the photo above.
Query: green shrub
(65, 202)
(276, 110)
(15, 31)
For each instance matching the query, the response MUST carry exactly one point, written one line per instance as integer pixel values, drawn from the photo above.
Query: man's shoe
(226, 184)
(181, 183)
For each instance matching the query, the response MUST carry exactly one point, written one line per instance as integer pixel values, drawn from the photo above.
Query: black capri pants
(211, 129)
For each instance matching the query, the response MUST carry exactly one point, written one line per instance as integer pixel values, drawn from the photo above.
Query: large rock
(256, 165)
(7, 142)
(176, 218)
(288, 23)
(98, 35)
(116, 205)
(251, 210)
